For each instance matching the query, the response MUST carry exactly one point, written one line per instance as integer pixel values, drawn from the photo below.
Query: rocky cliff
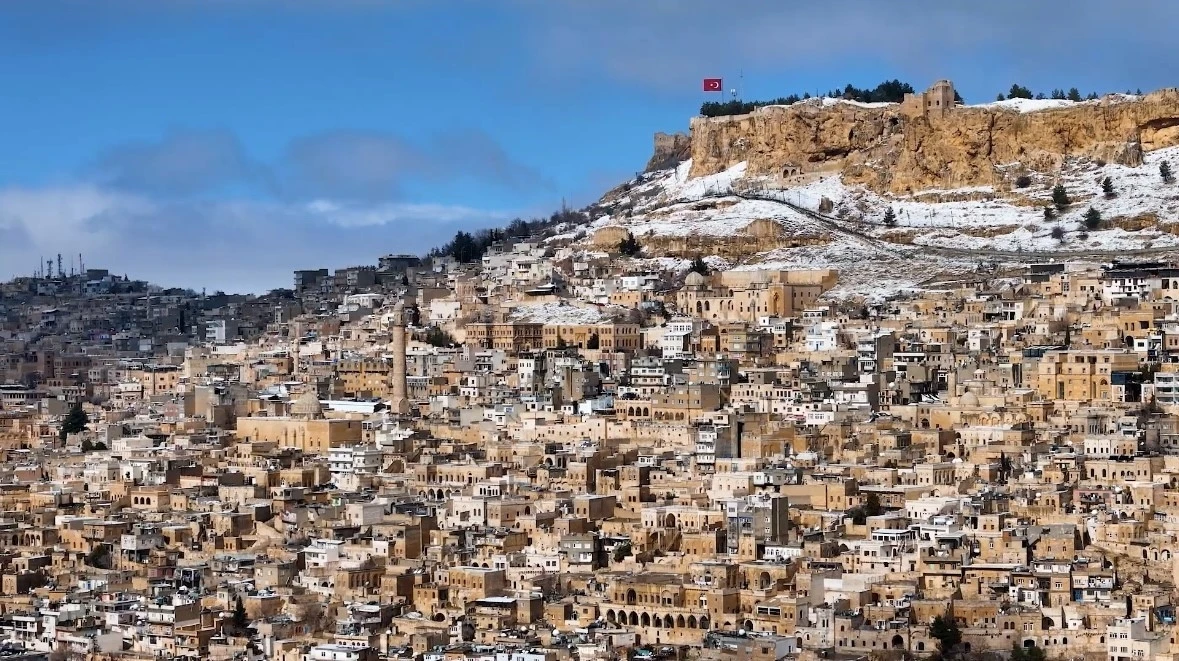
(890, 149)
(670, 149)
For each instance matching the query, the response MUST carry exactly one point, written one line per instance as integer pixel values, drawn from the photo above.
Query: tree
(1019, 92)
(699, 266)
(1021, 653)
(1165, 173)
(890, 217)
(629, 246)
(1060, 197)
(1107, 188)
(621, 551)
(99, 556)
(561, 343)
(87, 445)
(1091, 96)
(872, 506)
(1000, 97)
(946, 631)
(437, 337)
(240, 621)
(1058, 94)
(463, 248)
(594, 342)
(75, 421)
(1023, 181)
(1092, 219)
(100, 446)
(1058, 233)
(1074, 94)
(1049, 213)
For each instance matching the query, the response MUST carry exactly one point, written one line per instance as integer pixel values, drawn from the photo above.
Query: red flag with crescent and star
(713, 85)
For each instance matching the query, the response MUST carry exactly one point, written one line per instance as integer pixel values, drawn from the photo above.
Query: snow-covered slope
(935, 231)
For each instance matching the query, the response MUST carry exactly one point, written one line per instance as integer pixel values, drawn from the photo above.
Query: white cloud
(234, 245)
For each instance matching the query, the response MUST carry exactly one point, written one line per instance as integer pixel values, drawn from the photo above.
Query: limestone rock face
(671, 149)
(889, 150)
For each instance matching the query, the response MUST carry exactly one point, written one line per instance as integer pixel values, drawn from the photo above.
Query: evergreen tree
(240, 622)
(629, 246)
(872, 506)
(1074, 94)
(890, 217)
(1049, 213)
(1019, 92)
(1107, 188)
(75, 421)
(1000, 97)
(1165, 172)
(946, 631)
(1092, 96)
(1058, 94)
(463, 248)
(1060, 197)
(594, 342)
(87, 445)
(1092, 219)
(699, 266)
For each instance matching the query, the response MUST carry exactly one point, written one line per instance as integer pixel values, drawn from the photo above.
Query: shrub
(890, 217)
(1165, 172)
(1023, 181)
(1058, 233)
(1049, 213)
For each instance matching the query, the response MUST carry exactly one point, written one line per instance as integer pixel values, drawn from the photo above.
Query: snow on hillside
(722, 220)
(982, 218)
(560, 313)
(1037, 105)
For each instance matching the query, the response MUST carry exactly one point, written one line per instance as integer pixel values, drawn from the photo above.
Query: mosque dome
(307, 406)
(969, 399)
(694, 279)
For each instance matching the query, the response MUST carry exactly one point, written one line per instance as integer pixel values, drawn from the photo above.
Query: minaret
(400, 403)
(294, 340)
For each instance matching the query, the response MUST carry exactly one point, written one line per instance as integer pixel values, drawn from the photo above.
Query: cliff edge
(910, 147)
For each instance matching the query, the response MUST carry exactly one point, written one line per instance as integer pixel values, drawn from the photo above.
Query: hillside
(808, 185)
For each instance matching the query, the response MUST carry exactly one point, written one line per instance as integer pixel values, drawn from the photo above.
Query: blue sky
(224, 143)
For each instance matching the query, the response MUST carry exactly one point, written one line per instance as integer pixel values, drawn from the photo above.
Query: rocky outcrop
(671, 149)
(890, 150)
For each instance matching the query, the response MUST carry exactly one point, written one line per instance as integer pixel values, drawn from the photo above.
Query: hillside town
(553, 453)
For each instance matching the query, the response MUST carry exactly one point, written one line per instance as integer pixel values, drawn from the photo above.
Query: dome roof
(307, 406)
(694, 279)
(968, 399)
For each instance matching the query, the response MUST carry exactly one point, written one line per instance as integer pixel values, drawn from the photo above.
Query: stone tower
(400, 403)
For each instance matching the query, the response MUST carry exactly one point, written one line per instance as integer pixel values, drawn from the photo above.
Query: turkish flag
(713, 85)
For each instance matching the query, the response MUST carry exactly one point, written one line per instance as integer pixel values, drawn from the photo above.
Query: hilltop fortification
(927, 142)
